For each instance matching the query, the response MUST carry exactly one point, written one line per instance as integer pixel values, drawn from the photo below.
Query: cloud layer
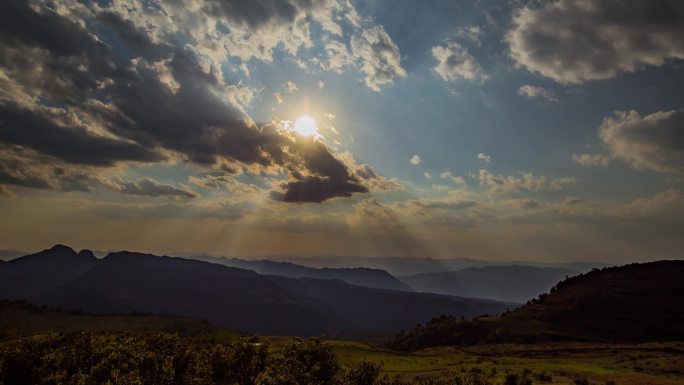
(75, 96)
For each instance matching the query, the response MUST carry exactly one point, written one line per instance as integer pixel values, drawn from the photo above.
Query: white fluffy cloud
(415, 160)
(652, 142)
(573, 41)
(379, 55)
(455, 62)
(484, 157)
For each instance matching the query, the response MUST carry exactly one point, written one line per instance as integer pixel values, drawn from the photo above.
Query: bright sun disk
(305, 126)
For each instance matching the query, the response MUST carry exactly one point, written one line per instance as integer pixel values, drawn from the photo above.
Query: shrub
(304, 362)
(363, 373)
(518, 379)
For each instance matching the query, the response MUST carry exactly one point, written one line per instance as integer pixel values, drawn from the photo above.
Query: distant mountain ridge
(359, 276)
(631, 303)
(124, 282)
(513, 283)
(405, 266)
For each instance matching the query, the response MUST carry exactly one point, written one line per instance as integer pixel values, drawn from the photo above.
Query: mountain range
(406, 266)
(503, 283)
(125, 282)
(359, 276)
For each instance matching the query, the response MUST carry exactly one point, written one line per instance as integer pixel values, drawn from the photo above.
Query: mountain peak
(62, 249)
(86, 254)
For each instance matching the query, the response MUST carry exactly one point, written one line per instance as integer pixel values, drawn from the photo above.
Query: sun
(306, 126)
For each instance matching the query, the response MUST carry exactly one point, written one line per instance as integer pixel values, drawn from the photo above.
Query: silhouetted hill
(240, 299)
(37, 273)
(631, 303)
(359, 276)
(503, 283)
(123, 282)
(404, 266)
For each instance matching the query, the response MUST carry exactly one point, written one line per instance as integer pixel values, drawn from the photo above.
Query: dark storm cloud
(15, 176)
(37, 130)
(330, 179)
(317, 189)
(256, 13)
(572, 41)
(147, 98)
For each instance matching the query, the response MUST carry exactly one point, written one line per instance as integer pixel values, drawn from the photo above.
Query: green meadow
(561, 363)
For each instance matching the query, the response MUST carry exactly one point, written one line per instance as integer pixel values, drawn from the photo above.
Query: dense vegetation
(158, 358)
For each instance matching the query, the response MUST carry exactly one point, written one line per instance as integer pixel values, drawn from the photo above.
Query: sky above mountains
(535, 130)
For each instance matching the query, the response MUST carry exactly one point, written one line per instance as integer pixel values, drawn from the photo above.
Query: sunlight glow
(306, 126)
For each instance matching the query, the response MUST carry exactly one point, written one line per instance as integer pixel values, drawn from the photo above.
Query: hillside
(631, 303)
(241, 299)
(359, 276)
(503, 283)
(20, 319)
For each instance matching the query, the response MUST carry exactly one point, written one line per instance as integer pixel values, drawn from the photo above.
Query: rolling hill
(631, 303)
(503, 283)
(359, 276)
(125, 282)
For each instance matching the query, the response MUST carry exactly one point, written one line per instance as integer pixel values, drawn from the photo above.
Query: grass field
(643, 364)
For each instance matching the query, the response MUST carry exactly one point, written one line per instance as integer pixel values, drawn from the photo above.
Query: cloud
(278, 97)
(527, 181)
(415, 160)
(571, 201)
(220, 181)
(368, 175)
(380, 57)
(454, 178)
(471, 33)
(533, 92)
(63, 134)
(152, 188)
(521, 203)
(653, 142)
(317, 190)
(222, 209)
(290, 86)
(81, 103)
(338, 56)
(591, 159)
(574, 41)
(484, 157)
(455, 62)
(427, 175)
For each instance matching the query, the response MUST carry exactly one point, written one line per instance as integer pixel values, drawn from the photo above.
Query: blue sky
(479, 129)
